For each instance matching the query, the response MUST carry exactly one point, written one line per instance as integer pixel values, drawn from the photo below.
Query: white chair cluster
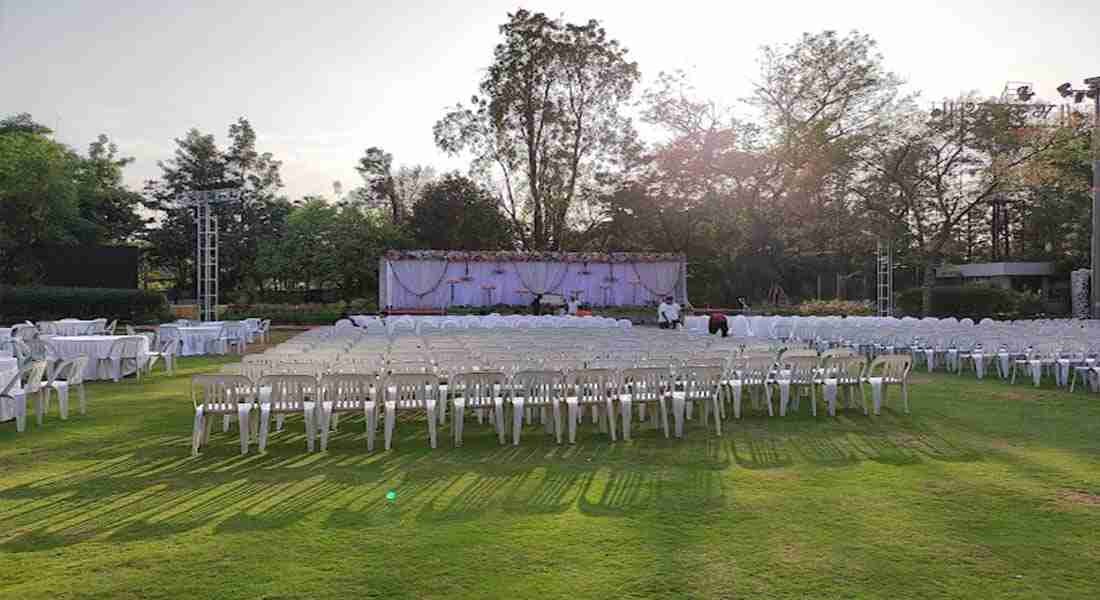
(37, 380)
(512, 377)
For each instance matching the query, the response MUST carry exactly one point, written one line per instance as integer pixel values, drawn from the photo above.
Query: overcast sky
(321, 81)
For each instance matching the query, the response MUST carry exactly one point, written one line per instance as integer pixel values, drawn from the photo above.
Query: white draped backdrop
(439, 283)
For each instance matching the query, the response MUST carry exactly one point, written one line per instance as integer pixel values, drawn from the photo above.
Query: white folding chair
(68, 375)
(346, 393)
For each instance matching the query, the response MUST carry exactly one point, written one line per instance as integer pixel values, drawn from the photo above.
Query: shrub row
(47, 303)
(973, 301)
(293, 314)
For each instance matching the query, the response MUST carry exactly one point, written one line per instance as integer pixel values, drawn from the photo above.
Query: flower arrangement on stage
(506, 256)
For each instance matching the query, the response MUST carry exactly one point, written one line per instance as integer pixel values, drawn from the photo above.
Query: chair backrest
(844, 368)
(347, 387)
(410, 388)
(891, 366)
(646, 384)
(221, 388)
(837, 352)
(110, 329)
(72, 370)
(538, 386)
(31, 376)
(700, 381)
(591, 385)
(289, 391)
(478, 385)
(127, 347)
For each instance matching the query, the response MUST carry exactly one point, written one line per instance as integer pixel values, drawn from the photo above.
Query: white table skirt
(194, 339)
(9, 367)
(96, 347)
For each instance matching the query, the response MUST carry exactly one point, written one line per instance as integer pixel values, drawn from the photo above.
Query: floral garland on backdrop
(657, 293)
(420, 296)
(505, 256)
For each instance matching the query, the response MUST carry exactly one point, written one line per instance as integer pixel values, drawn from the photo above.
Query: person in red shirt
(718, 323)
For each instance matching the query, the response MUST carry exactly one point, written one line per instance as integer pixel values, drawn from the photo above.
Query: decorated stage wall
(438, 279)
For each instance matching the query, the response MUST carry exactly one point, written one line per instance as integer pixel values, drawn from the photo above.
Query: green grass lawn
(986, 491)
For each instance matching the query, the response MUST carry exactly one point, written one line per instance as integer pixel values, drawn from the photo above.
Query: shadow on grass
(147, 487)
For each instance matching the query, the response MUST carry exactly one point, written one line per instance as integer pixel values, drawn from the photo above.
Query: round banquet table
(95, 347)
(9, 367)
(73, 327)
(195, 339)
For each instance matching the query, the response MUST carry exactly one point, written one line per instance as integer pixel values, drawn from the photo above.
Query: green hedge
(297, 314)
(974, 301)
(46, 303)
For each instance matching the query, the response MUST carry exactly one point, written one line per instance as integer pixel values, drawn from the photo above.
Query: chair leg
(498, 418)
(83, 404)
(905, 395)
(370, 413)
(457, 415)
(609, 407)
(432, 423)
(517, 420)
(664, 415)
(574, 410)
(197, 432)
(678, 406)
(62, 402)
(737, 390)
(625, 409)
(311, 427)
(557, 421)
(717, 412)
(243, 411)
(265, 426)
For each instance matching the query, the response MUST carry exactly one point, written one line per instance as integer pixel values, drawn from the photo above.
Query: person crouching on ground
(668, 314)
(718, 322)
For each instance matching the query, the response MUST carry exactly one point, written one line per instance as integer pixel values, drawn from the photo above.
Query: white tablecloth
(195, 339)
(95, 347)
(5, 333)
(73, 327)
(9, 367)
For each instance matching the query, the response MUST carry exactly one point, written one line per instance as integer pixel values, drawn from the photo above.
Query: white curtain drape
(542, 277)
(659, 279)
(419, 278)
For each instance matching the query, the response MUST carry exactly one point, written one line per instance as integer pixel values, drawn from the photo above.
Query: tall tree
(549, 116)
(926, 176)
(384, 188)
(455, 213)
(199, 164)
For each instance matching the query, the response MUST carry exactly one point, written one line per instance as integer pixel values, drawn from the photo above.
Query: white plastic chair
(700, 384)
(644, 387)
(68, 375)
(594, 388)
(346, 393)
(410, 392)
(482, 391)
(889, 370)
(169, 350)
(30, 378)
(226, 395)
(536, 389)
(288, 394)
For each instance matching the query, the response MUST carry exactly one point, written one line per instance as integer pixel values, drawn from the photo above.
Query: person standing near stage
(668, 314)
(573, 306)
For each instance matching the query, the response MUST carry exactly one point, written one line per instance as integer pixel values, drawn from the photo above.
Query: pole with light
(1091, 91)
